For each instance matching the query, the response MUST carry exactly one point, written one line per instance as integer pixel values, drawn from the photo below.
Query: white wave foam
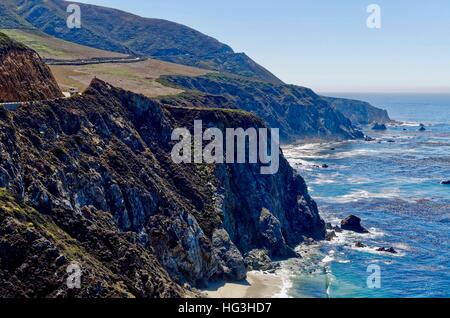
(328, 259)
(285, 276)
(358, 195)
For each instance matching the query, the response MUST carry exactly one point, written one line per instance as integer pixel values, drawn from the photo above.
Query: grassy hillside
(118, 31)
(7, 43)
(138, 77)
(53, 48)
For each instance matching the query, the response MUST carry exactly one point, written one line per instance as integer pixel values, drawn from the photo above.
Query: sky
(324, 44)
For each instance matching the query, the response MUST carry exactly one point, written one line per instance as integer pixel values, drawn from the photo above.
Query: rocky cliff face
(94, 175)
(23, 75)
(297, 111)
(359, 112)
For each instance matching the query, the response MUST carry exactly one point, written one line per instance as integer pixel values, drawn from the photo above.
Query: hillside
(139, 77)
(10, 18)
(49, 47)
(118, 31)
(23, 75)
(36, 249)
(359, 112)
(297, 111)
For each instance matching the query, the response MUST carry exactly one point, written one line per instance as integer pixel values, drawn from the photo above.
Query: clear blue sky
(324, 44)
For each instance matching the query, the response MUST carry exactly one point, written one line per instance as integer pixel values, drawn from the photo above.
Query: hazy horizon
(325, 45)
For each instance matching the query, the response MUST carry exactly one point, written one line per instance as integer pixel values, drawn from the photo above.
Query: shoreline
(257, 285)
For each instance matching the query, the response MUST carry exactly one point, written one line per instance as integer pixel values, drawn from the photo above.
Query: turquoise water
(393, 184)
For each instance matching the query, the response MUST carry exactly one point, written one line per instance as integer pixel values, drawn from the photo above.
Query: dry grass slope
(53, 48)
(136, 77)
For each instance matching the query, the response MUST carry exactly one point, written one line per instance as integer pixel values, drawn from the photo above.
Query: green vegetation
(35, 42)
(7, 43)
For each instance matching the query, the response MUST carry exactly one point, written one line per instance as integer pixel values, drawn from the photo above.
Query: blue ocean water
(393, 185)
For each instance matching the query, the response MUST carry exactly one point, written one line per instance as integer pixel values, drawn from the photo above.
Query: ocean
(394, 185)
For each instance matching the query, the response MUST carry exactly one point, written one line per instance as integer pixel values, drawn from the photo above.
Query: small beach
(257, 285)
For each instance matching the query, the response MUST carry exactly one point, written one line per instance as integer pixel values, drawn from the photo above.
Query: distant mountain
(119, 31)
(359, 112)
(23, 75)
(297, 111)
(10, 17)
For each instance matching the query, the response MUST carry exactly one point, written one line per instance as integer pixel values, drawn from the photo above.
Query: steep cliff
(36, 249)
(297, 111)
(98, 168)
(23, 75)
(359, 112)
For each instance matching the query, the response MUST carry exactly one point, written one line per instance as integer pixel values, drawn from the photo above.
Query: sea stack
(353, 223)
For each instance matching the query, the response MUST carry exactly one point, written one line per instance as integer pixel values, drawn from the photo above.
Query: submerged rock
(334, 228)
(330, 236)
(387, 250)
(360, 245)
(353, 223)
(379, 126)
(445, 182)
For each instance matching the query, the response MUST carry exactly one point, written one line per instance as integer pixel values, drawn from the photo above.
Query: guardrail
(96, 60)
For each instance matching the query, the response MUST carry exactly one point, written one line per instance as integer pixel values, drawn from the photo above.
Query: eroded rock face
(23, 75)
(107, 152)
(36, 249)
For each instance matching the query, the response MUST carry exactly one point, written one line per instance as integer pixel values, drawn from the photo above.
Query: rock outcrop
(98, 167)
(390, 250)
(37, 248)
(359, 112)
(353, 223)
(23, 75)
(297, 111)
(378, 126)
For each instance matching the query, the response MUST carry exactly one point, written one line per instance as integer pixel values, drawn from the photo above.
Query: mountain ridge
(132, 34)
(297, 111)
